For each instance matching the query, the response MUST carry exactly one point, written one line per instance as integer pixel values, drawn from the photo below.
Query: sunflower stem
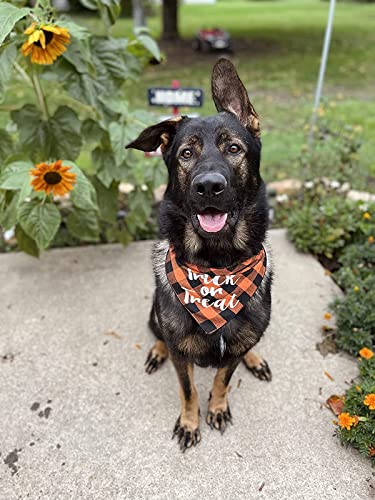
(23, 73)
(40, 95)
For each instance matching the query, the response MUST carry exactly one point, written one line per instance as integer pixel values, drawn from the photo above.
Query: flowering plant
(62, 153)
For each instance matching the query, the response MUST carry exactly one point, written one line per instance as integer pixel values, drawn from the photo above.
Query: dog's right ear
(157, 135)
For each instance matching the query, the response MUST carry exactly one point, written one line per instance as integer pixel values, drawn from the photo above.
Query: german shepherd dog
(214, 214)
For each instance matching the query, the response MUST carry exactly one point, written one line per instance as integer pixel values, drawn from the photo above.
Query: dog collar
(214, 296)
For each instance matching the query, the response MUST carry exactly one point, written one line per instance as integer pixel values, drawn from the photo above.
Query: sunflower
(53, 178)
(45, 43)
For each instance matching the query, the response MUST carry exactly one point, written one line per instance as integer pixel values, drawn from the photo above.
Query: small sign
(181, 97)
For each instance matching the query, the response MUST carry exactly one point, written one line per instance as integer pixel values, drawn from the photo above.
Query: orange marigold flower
(327, 316)
(371, 451)
(366, 353)
(346, 421)
(370, 401)
(53, 178)
(366, 216)
(45, 43)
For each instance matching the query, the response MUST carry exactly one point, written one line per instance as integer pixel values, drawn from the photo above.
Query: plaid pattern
(215, 296)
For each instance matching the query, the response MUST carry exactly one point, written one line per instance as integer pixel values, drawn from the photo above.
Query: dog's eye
(234, 149)
(186, 153)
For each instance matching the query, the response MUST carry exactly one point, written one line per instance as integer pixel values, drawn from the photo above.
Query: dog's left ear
(157, 135)
(229, 94)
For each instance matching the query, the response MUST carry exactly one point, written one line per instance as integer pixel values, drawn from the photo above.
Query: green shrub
(355, 317)
(357, 263)
(334, 151)
(323, 226)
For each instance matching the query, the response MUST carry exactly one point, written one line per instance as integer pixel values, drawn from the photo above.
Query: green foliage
(76, 109)
(355, 317)
(362, 435)
(322, 221)
(335, 151)
(357, 264)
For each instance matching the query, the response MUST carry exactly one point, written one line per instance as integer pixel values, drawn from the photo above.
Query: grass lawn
(277, 47)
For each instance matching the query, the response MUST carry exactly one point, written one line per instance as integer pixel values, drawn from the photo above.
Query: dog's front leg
(187, 425)
(219, 415)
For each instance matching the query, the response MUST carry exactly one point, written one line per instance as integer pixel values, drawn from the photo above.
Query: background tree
(170, 20)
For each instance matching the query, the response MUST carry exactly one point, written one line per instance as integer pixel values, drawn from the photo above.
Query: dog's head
(213, 165)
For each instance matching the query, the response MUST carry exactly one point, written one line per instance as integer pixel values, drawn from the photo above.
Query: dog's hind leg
(219, 415)
(257, 366)
(159, 352)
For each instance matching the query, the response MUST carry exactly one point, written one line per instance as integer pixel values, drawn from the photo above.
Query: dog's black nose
(210, 184)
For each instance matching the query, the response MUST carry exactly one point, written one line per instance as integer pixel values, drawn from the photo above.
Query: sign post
(175, 97)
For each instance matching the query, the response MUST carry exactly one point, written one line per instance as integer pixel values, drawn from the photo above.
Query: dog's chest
(232, 340)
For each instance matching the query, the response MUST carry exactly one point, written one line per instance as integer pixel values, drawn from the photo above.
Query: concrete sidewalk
(79, 418)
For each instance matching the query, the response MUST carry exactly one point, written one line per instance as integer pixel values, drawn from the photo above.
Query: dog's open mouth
(212, 221)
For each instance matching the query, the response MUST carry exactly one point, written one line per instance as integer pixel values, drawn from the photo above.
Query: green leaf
(109, 11)
(40, 221)
(14, 175)
(25, 243)
(76, 30)
(9, 15)
(107, 201)
(7, 57)
(66, 132)
(119, 137)
(105, 165)
(109, 58)
(6, 145)
(83, 194)
(8, 216)
(150, 45)
(90, 4)
(53, 139)
(91, 131)
(78, 54)
(83, 224)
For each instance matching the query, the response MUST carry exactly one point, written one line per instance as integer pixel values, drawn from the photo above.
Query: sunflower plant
(64, 122)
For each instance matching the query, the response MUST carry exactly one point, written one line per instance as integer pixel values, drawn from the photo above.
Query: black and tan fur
(209, 142)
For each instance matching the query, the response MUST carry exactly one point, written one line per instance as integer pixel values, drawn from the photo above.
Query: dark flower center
(48, 36)
(52, 178)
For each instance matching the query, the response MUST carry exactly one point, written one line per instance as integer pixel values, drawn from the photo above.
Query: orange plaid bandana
(215, 296)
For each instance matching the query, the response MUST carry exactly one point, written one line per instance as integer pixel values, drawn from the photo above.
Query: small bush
(355, 317)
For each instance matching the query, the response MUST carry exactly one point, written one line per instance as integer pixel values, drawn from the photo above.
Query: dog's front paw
(219, 418)
(187, 434)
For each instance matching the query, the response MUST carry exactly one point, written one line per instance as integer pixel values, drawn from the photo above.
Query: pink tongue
(212, 223)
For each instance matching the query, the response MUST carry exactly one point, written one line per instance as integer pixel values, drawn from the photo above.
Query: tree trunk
(170, 20)
(139, 18)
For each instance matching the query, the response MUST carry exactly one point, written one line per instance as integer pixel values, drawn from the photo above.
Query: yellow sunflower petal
(42, 39)
(34, 37)
(26, 48)
(30, 29)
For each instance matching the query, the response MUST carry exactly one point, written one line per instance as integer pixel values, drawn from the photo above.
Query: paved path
(79, 418)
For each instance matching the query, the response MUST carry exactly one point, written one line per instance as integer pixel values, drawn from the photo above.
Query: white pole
(323, 65)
